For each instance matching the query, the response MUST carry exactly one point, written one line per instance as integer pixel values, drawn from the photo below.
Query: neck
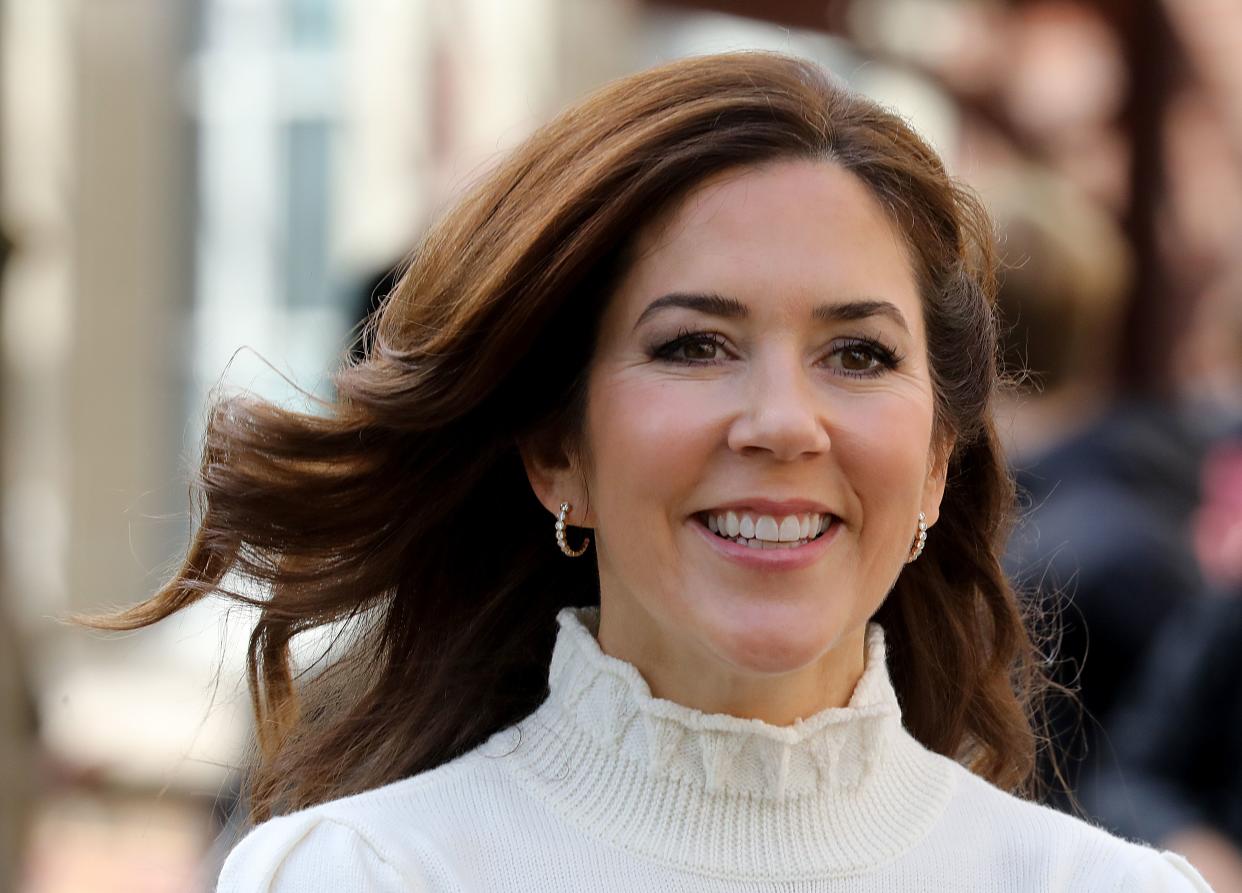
(682, 669)
(835, 794)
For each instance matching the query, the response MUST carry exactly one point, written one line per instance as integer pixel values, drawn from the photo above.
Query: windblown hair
(370, 515)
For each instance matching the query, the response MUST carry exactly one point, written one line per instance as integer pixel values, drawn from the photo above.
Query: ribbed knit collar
(832, 794)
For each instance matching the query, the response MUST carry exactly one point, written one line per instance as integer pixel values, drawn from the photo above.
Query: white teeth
(764, 531)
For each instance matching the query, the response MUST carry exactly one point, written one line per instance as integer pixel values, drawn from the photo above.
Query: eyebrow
(731, 308)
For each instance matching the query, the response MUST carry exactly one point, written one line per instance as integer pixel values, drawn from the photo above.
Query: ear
(937, 477)
(555, 477)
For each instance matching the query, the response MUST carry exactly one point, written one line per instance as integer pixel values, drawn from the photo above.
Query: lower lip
(770, 559)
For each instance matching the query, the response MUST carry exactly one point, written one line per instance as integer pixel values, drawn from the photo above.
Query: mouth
(759, 531)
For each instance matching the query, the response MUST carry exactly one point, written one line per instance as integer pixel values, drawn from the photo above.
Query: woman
(732, 326)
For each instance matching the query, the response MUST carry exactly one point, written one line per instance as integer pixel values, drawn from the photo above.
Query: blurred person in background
(1108, 485)
(1208, 360)
(1210, 371)
(713, 291)
(1177, 781)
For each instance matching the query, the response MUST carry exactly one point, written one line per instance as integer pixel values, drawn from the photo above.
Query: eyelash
(886, 357)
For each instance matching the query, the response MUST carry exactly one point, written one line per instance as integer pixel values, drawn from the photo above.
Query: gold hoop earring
(560, 534)
(916, 548)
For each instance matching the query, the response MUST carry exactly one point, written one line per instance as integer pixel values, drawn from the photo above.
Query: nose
(782, 413)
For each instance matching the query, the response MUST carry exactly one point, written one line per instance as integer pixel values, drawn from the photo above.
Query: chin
(779, 645)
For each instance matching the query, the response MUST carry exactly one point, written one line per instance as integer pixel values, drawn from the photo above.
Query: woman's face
(762, 366)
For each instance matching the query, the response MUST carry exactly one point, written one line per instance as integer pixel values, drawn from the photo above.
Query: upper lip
(776, 508)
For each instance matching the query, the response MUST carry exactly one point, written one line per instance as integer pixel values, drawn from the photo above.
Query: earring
(916, 548)
(560, 534)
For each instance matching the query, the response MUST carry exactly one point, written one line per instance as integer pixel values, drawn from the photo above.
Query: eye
(692, 348)
(864, 357)
(856, 359)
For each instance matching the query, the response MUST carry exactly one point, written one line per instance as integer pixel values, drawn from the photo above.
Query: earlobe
(933, 493)
(937, 479)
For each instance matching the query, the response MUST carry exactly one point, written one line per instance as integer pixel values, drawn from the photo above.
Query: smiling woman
(736, 321)
(771, 398)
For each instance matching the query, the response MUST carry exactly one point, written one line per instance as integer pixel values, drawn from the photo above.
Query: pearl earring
(916, 548)
(560, 534)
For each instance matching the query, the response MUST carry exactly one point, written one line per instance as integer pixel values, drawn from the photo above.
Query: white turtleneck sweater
(605, 787)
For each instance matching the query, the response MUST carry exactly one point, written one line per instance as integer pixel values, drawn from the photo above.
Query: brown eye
(863, 358)
(857, 359)
(700, 350)
(692, 348)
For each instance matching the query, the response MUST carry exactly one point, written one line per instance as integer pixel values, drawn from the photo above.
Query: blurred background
(198, 194)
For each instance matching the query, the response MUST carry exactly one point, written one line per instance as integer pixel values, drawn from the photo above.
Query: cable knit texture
(605, 787)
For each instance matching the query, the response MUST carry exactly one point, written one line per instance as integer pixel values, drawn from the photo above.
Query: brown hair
(405, 515)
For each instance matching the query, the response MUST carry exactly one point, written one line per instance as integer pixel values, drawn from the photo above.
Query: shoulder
(1163, 872)
(1032, 840)
(388, 839)
(310, 851)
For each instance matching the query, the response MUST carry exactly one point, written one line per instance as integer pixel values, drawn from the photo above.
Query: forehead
(778, 235)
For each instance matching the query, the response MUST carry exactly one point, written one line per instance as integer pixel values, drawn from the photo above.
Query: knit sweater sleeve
(1163, 872)
(309, 853)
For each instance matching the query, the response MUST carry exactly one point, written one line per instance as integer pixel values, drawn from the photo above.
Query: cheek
(882, 445)
(649, 441)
